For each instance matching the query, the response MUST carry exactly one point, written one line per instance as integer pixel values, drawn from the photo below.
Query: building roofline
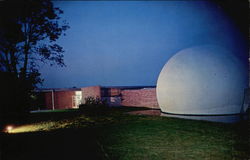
(57, 89)
(79, 89)
(128, 87)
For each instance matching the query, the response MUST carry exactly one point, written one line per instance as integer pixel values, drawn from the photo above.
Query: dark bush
(15, 99)
(93, 105)
(93, 101)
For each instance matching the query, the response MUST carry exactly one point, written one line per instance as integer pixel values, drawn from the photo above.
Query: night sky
(127, 43)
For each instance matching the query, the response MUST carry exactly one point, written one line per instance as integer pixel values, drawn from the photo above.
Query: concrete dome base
(231, 118)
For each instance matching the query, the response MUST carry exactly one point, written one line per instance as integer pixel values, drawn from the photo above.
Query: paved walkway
(152, 112)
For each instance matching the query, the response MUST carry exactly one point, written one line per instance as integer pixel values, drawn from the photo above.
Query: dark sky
(128, 43)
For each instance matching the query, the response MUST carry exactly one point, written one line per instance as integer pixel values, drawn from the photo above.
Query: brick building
(59, 98)
(135, 96)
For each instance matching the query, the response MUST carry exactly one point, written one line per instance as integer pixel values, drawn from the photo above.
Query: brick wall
(110, 92)
(114, 96)
(62, 99)
(139, 98)
(94, 91)
(48, 99)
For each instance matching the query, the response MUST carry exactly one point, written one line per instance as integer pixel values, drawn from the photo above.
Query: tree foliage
(28, 33)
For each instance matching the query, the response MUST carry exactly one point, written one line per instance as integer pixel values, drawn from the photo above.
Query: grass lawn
(114, 134)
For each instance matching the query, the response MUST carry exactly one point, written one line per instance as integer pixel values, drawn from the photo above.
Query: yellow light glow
(9, 128)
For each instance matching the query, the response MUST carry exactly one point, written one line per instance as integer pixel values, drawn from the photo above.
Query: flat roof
(57, 89)
(106, 87)
(128, 87)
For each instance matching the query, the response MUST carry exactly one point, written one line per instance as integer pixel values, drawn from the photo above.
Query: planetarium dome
(203, 80)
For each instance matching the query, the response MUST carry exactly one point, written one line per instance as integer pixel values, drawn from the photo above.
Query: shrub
(92, 102)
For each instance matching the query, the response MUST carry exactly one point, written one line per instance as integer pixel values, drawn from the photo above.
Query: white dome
(203, 80)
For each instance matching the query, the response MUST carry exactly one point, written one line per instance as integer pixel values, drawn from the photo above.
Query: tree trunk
(26, 52)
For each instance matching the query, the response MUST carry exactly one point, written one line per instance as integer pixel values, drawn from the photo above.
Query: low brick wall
(140, 98)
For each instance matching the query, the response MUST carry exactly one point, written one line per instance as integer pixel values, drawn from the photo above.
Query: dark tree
(28, 33)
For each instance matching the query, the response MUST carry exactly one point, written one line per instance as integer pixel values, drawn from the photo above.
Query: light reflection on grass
(79, 122)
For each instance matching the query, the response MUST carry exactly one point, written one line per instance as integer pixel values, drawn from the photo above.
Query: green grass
(114, 134)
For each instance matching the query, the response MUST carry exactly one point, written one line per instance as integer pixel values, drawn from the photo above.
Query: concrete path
(152, 112)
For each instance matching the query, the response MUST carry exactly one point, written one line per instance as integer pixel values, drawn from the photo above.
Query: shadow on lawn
(59, 144)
